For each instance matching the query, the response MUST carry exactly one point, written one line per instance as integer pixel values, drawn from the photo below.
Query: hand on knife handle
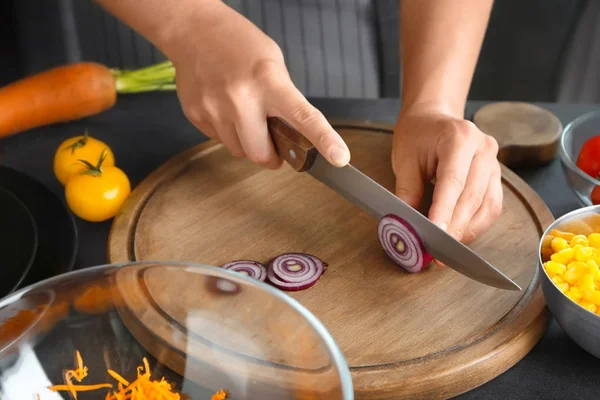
(291, 146)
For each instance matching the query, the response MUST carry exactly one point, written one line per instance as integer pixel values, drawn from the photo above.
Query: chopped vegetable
(78, 373)
(15, 326)
(70, 151)
(74, 91)
(595, 197)
(142, 388)
(295, 271)
(574, 268)
(588, 159)
(220, 395)
(253, 269)
(96, 299)
(224, 286)
(402, 244)
(97, 193)
(44, 318)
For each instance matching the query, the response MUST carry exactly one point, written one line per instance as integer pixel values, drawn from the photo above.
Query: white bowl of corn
(570, 275)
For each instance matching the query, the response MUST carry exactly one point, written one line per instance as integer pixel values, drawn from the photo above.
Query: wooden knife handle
(291, 146)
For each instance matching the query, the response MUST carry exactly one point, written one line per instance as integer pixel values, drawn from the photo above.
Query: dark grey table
(146, 130)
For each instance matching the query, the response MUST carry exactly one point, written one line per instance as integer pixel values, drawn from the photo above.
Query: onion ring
(295, 271)
(402, 244)
(253, 269)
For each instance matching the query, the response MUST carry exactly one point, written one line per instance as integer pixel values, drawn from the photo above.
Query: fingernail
(442, 226)
(339, 156)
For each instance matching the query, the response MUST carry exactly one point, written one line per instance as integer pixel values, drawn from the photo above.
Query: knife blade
(377, 201)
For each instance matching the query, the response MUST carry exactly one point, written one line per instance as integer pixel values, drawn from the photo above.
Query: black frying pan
(57, 232)
(18, 242)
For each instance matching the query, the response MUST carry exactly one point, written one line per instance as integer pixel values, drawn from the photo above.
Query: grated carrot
(78, 373)
(220, 395)
(14, 326)
(79, 388)
(142, 388)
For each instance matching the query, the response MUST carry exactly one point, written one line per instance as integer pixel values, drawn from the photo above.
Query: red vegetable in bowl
(402, 244)
(253, 269)
(588, 159)
(295, 271)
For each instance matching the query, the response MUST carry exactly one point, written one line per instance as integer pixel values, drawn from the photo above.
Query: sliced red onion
(227, 286)
(295, 271)
(253, 269)
(222, 286)
(402, 244)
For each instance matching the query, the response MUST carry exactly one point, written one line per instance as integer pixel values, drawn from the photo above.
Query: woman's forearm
(163, 22)
(440, 45)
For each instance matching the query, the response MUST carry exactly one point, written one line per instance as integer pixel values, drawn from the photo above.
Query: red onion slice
(222, 286)
(402, 244)
(253, 269)
(295, 271)
(227, 286)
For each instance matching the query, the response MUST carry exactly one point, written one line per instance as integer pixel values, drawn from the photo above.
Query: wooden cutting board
(430, 335)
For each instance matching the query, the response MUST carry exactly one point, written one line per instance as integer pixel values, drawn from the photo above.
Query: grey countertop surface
(146, 130)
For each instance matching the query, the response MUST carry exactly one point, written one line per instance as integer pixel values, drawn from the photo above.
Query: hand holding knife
(377, 201)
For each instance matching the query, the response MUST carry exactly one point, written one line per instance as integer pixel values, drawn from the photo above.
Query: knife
(377, 201)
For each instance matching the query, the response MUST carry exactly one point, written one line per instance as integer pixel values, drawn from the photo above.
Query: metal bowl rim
(558, 221)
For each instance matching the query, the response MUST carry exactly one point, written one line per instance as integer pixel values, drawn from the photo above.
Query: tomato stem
(80, 143)
(97, 169)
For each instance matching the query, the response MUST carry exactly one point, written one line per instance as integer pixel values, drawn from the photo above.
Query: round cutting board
(430, 335)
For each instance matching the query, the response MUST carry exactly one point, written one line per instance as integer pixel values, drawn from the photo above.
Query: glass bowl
(203, 330)
(575, 134)
(579, 323)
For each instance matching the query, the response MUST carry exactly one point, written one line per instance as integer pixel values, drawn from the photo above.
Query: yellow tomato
(97, 193)
(71, 151)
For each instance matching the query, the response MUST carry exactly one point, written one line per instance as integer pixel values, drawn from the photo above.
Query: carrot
(74, 91)
(142, 388)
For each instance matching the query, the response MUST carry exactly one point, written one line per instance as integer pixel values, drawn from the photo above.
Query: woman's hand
(430, 144)
(231, 76)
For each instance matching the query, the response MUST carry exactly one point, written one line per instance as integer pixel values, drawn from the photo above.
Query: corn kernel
(560, 234)
(554, 268)
(586, 282)
(594, 240)
(588, 306)
(574, 292)
(578, 239)
(592, 269)
(557, 279)
(563, 287)
(574, 272)
(547, 241)
(572, 297)
(547, 253)
(559, 244)
(564, 256)
(592, 296)
(583, 253)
